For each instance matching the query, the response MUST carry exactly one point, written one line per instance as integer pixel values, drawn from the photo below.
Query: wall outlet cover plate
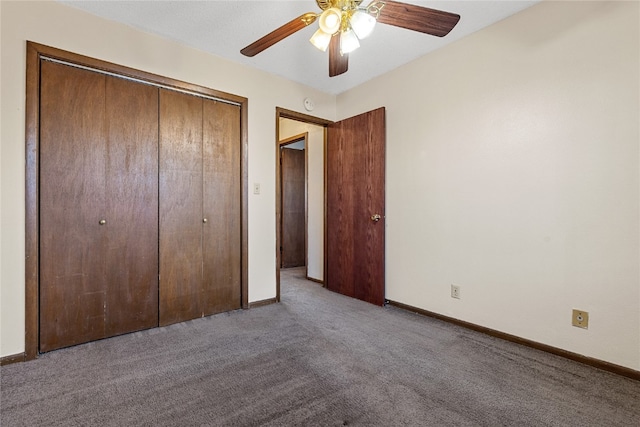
(455, 291)
(580, 319)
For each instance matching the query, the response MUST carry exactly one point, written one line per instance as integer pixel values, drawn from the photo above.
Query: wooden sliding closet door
(200, 209)
(132, 194)
(98, 193)
(72, 204)
(222, 248)
(181, 217)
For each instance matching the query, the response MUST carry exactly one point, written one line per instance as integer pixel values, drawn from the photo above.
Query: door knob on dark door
(204, 220)
(102, 222)
(375, 217)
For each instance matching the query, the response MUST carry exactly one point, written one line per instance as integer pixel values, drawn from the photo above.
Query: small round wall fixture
(308, 104)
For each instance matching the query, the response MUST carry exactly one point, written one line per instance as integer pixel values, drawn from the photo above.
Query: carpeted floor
(316, 359)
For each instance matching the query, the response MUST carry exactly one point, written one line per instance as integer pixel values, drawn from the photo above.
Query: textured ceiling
(222, 28)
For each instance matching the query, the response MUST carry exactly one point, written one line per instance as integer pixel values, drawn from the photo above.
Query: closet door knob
(102, 222)
(204, 220)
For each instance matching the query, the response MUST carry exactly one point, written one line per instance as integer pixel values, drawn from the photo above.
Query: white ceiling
(222, 28)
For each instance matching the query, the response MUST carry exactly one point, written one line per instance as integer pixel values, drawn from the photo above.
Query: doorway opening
(350, 205)
(305, 134)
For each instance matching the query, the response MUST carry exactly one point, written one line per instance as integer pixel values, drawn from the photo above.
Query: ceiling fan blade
(418, 18)
(338, 64)
(279, 34)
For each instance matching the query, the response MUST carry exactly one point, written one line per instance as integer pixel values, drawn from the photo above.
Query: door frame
(36, 52)
(282, 144)
(304, 118)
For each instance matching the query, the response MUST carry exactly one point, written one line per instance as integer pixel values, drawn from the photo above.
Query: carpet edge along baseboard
(22, 357)
(596, 363)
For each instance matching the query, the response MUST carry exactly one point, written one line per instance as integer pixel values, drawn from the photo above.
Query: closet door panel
(221, 206)
(132, 195)
(180, 207)
(72, 202)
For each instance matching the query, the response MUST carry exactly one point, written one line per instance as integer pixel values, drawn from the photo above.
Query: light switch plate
(256, 188)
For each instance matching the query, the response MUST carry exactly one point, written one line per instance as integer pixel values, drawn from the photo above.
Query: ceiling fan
(342, 23)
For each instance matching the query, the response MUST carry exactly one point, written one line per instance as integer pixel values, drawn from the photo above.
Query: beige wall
(67, 28)
(513, 172)
(315, 194)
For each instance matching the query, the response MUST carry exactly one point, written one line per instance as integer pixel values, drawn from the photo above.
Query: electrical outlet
(455, 291)
(580, 319)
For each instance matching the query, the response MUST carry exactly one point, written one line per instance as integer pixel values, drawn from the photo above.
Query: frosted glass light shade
(348, 41)
(362, 24)
(329, 21)
(321, 40)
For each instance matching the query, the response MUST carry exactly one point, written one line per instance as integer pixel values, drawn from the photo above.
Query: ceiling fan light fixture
(348, 41)
(321, 40)
(330, 20)
(362, 24)
(352, 22)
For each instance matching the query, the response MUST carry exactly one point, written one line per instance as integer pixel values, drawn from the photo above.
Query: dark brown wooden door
(131, 252)
(222, 250)
(292, 172)
(180, 206)
(355, 194)
(200, 207)
(72, 202)
(92, 225)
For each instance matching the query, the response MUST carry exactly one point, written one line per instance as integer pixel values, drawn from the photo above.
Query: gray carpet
(316, 359)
